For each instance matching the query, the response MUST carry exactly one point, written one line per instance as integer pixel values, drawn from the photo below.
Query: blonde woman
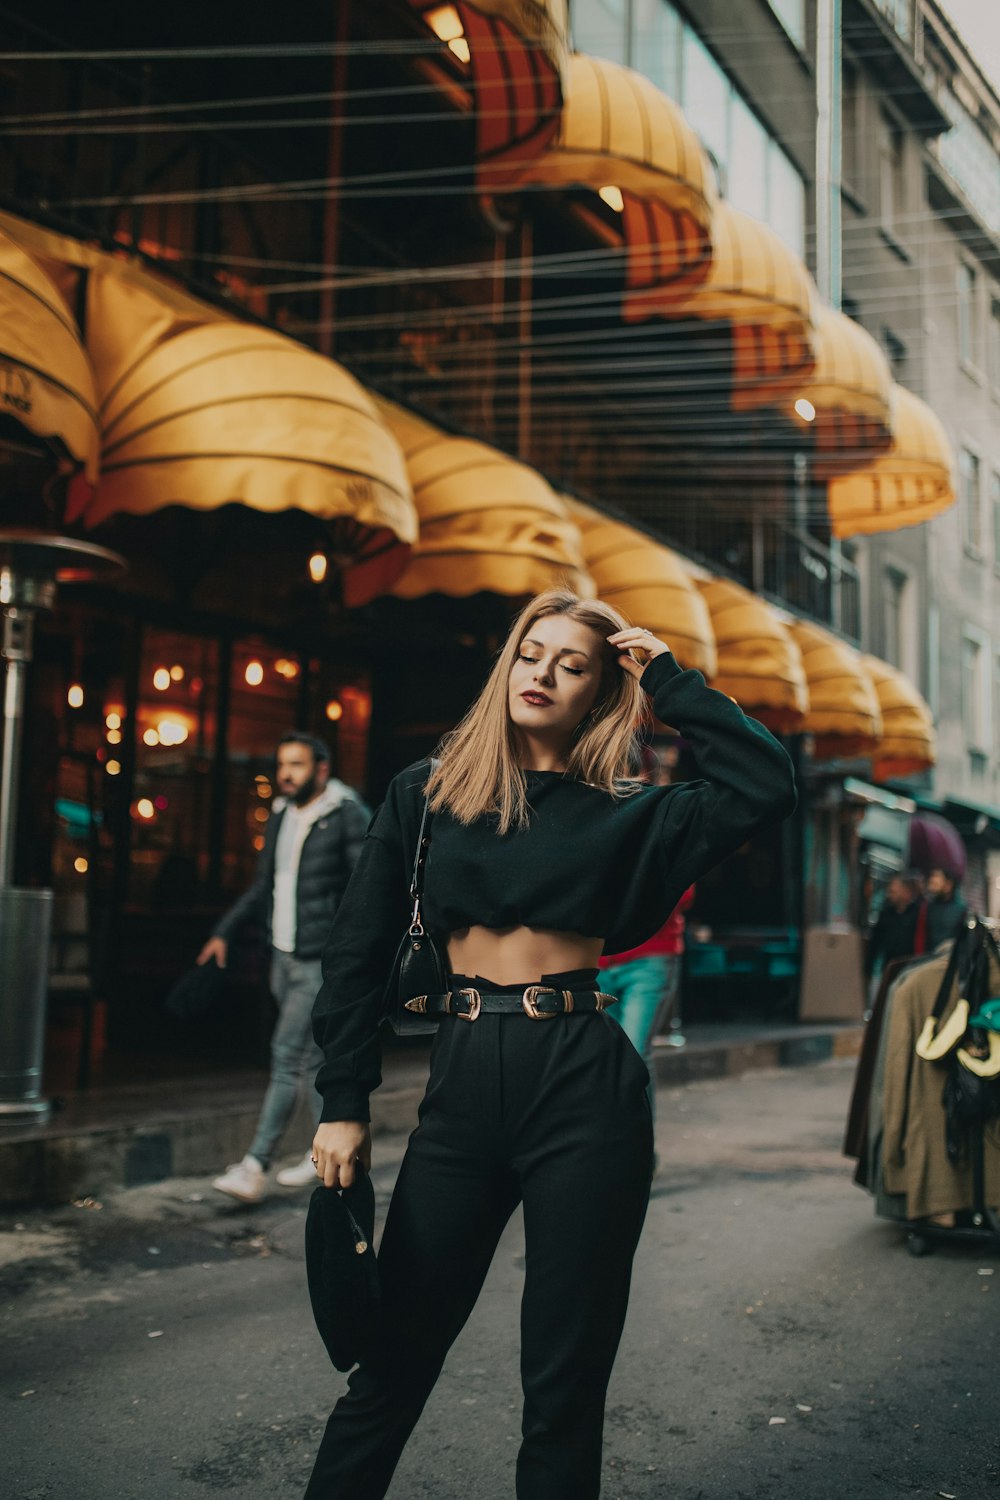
(543, 853)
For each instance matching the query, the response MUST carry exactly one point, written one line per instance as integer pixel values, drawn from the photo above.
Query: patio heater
(32, 565)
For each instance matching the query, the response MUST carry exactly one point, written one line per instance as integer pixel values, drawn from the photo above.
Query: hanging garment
(914, 1148)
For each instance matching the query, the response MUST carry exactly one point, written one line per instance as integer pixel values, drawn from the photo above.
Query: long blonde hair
(478, 772)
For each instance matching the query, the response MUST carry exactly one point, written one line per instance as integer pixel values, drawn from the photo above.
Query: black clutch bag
(418, 968)
(341, 1268)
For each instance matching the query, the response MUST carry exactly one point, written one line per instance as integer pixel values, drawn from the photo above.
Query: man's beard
(305, 793)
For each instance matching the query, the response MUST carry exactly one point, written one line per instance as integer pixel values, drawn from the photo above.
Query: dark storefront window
(176, 725)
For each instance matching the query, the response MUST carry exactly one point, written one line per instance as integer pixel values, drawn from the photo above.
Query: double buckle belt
(469, 1004)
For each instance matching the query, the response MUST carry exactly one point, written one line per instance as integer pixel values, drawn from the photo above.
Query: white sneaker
(301, 1175)
(244, 1181)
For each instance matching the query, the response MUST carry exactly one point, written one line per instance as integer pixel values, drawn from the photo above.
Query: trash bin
(25, 925)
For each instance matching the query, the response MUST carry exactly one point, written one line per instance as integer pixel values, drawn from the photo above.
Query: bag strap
(419, 859)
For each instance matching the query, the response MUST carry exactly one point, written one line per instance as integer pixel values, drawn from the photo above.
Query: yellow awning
(515, 52)
(619, 133)
(910, 483)
(844, 716)
(760, 664)
(849, 391)
(48, 385)
(765, 296)
(487, 523)
(649, 584)
(907, 743)
(232, 414)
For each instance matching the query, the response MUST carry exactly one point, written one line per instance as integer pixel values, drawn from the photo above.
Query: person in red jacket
(647, 981)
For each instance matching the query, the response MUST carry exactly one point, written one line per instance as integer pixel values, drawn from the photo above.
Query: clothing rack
(897, 1113)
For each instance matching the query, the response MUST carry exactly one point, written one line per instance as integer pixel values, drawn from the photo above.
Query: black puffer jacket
(329, 853)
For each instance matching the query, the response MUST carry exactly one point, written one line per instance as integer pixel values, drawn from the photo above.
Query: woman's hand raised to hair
(635, 639)
(337, 1147)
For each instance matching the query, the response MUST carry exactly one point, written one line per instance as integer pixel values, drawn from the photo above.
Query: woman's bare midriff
(510, 955)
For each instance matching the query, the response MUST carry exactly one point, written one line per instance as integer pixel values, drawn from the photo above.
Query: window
(792, 15)
(895, 352)
(994, 338)
(599, 27)
(976, 707)
(899, 633)
(786, 206)
(968, 154)
(707, 93)
(892, 185)
(754, 172)
(966, 278)
(995, 509)
(657, 40)
(968, 480)
(898, 13)
(849, 111)
(747, 164)
(934, 658)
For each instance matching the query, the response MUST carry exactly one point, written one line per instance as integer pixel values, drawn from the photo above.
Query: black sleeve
(252, 905)
(746, 775)
(359, 951)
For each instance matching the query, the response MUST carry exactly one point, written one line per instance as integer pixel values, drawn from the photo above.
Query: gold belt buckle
(529, 1002)
(475, 1006)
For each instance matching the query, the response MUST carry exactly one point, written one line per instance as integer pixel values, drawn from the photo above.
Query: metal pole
(828, 149)
(16, 651)
(829, 137)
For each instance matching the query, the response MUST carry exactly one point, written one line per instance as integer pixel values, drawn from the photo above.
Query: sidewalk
(104, 1139)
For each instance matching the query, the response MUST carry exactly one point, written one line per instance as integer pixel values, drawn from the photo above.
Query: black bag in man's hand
(341, 1267)
(199, 991)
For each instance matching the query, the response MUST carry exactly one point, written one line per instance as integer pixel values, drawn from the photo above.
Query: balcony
(785, 564)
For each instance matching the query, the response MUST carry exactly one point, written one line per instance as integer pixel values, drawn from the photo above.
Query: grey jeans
(295, 1057)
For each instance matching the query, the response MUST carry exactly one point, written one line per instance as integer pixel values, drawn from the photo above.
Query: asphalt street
(781, 1343)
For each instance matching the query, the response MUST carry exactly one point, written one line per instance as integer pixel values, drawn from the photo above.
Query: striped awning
(649, 584)
(844, 716)
(910, 483)
(515, 53)
(488, 524)
(760, 664)
(762, 296)
(619, 135)
(907, 743)
(230, 414)
(844, 407)
(45, 375)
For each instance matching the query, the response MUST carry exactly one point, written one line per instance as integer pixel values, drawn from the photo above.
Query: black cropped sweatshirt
(603, 866)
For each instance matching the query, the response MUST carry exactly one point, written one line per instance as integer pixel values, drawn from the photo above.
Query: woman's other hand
(635, 639)
(337, 1147)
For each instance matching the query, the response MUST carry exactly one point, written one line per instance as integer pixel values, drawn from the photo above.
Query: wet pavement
(781, 1344)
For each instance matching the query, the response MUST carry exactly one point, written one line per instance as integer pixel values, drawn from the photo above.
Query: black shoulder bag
(418, 968)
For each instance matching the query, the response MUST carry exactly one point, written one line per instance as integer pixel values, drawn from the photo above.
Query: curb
(150, 1139)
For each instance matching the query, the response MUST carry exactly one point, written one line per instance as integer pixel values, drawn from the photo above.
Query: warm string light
(334, 710)
(254, 674)
(161, 679)
(318, 565)
(74, 696)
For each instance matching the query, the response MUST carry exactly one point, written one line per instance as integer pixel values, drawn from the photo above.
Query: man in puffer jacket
(313, 840)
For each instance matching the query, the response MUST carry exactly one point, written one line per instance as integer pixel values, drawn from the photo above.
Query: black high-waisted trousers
(552, 1114)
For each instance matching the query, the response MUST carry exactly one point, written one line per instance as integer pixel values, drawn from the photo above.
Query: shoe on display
(245, 1180)
(303, 1174)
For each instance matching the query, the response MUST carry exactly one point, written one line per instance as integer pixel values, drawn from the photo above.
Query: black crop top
(602, 866)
